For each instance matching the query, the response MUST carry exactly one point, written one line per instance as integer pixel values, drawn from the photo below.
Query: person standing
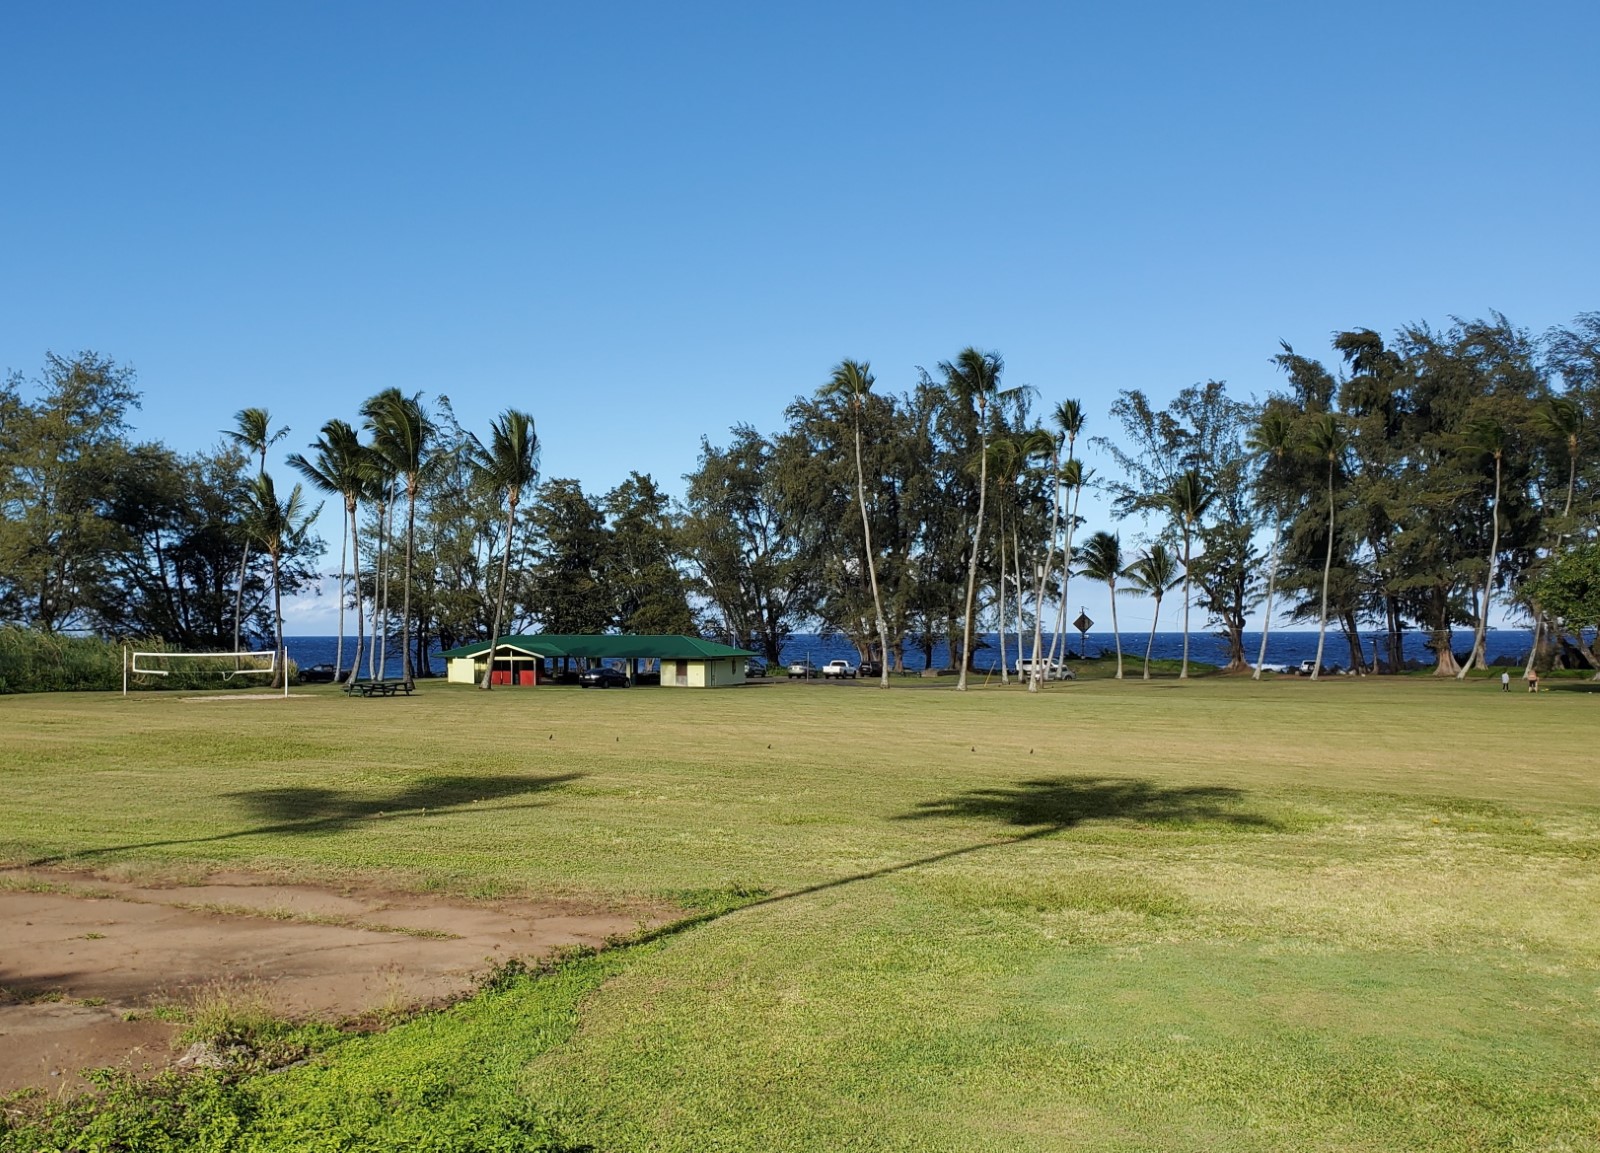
(1505, 681)
(1533, 680)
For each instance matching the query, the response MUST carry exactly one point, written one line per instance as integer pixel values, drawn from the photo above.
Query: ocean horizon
(1284, 648)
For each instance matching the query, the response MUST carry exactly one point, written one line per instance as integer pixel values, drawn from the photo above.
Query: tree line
(1421, 481)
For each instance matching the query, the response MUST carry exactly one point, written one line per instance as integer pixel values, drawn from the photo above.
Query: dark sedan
(602, 678)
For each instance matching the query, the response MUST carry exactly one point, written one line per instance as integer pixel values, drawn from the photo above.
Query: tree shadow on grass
(1049, 804)
(319, 811)
(1042, 808)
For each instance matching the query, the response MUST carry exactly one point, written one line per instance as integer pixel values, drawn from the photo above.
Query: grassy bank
(1215, 915)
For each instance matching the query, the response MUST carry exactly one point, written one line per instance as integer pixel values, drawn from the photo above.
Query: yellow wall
(463, 671)
(704, 674)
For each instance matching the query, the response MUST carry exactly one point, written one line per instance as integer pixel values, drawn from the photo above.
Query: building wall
(704, 674)
(463, 671)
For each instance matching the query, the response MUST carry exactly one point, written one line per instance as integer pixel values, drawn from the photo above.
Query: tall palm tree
(852, 382)
(1154, 574)
(1486, 435)
(508, 466)
(1328, 440)
(277, 526)
(341, 469)
(973, 378)
(402, 434)
(1187, 500)
(1271, 438)
(252, 432)
(1102, 561)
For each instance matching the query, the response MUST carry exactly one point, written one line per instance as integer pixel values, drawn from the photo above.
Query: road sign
(1083, 624)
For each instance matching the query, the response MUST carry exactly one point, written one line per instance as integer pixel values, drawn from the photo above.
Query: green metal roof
(606, 647)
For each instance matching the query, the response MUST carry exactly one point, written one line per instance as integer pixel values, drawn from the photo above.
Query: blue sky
(644, 223)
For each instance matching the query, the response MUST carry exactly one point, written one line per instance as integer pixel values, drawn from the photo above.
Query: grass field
(1218, 915)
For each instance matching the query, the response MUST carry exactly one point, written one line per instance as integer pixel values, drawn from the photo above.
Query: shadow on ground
(1062, 802)
(314, 811)
(1041, 808)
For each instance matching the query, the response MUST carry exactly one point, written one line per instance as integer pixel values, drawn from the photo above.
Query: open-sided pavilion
(684, 662)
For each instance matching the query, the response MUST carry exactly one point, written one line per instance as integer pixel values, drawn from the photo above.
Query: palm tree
(509, 465)
(341, 469)
(402, 431)
(1271, 438)
(1187, 500)
(1327, 439)
(277, 526)
(1154, 574)
(974, 379)
(252, 432)
(852, 382)
(1486, 435)
(1102, 561)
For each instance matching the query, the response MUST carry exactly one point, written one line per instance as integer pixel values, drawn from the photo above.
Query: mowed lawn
(1207, 915)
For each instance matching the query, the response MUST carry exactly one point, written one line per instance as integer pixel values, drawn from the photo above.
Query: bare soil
(84, 959)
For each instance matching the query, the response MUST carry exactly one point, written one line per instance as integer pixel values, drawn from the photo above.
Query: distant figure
(1505, 682)
(1533, 680)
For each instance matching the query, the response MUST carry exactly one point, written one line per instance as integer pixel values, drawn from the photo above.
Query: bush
(32, 661)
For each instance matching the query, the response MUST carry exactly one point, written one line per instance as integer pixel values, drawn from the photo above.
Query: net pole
(124, 670)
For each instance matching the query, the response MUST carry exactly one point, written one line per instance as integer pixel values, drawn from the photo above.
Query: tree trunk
(972, 563)
(1000, 538)
(1150, 644)
(1327, 570)
(1272, 587)
(238, 600)
(344, 571)
(1183, 671)
(355, 548)
(1044, 571)
(1116, 635)
(1352, 636)
(872, 568)
(1477, 655)
(500, 601)
(1016, 567)
(405, 603)
(282, 662)
(1058, 641)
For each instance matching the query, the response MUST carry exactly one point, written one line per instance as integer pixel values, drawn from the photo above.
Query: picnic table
(372, 688)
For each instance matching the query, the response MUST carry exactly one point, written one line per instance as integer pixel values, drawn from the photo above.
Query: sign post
(1083, 624)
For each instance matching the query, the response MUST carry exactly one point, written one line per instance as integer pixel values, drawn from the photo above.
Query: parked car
(603, 677)
(323, 674)
(839, 670)
(870, 669)
(755, 667)
(801, 669)
(1056, 671)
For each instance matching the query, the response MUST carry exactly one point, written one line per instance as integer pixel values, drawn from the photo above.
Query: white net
(198, 669)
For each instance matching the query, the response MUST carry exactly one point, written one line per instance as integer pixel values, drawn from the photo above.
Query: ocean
(1283, 648)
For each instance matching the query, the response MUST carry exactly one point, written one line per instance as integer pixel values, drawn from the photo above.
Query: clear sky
(644, 222)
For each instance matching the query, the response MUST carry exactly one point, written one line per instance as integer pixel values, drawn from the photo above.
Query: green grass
(1216, 915)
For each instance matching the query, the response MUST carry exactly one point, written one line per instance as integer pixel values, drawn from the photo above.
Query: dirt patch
(85, 959)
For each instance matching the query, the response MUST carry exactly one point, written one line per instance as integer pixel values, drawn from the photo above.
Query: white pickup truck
(840, 669)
